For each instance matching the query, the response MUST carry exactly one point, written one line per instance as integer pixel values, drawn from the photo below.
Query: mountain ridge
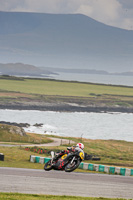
(64, 41)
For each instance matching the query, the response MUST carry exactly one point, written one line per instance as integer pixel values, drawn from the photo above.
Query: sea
(105, 126)
(95, 78)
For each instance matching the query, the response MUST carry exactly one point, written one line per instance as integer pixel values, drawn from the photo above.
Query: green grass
(48, 87)
(114, 153)
(17, 157)
(16, 196)
(39, 92)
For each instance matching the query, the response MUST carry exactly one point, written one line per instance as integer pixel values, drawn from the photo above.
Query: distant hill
(21, 69)
(79, 71)
(86, 71)
(64, 41)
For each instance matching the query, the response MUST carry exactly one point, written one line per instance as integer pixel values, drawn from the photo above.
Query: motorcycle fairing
(59, 165)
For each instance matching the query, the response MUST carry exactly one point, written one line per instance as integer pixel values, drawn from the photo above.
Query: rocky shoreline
(21, 125)
(68, 108)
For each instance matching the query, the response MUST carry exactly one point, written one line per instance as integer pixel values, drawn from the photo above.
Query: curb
(107, 169)
(90, 167)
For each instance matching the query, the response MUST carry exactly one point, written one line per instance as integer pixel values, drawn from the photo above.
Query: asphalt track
(33, 181)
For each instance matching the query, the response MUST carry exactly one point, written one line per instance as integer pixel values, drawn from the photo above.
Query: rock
(13, 129)
(17, 130)
(38, 125)
(16, 124)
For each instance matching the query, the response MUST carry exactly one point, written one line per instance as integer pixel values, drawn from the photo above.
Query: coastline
(68, 108)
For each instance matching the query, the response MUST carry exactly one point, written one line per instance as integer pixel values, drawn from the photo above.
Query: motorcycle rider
(79, 147)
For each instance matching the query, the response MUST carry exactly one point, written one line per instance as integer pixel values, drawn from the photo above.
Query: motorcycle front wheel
(72, 166)
(48, 166)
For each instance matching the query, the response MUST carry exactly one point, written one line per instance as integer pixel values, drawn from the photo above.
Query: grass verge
(17, 157)
(16, 196)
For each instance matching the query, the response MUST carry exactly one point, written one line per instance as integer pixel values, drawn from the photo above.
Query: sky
(118, 13)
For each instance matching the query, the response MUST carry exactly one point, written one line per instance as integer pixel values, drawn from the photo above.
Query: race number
(81, 155)
(64, 156)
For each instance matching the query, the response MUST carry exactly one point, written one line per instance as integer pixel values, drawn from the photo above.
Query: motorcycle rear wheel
(71, 167)
(48, 166)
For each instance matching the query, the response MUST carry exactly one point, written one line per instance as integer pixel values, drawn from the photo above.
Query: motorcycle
(67, 162)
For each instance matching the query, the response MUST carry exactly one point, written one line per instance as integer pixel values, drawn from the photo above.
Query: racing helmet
(80, 145)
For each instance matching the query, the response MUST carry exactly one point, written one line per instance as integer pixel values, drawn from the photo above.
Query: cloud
(117, 13)
(11, 5)
(48, 6)
(98, 9)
